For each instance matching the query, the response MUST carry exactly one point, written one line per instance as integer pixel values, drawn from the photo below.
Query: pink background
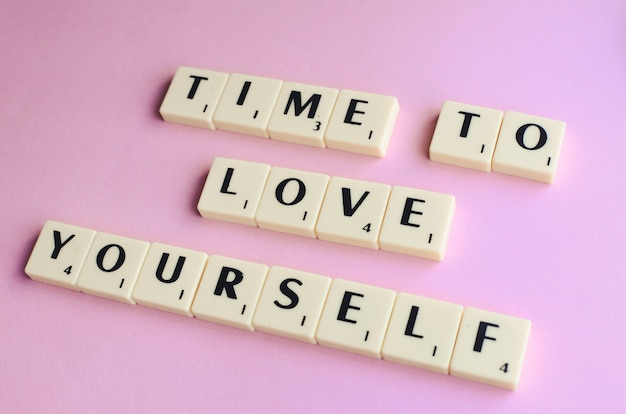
(82, 143)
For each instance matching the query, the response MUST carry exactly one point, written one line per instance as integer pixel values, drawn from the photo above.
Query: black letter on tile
(229, 286)
(348, 210)
(481, 335)
(120, 257)
(281, 188)
(543, 136)
(352, 110)
(226, 182)
(466, 122)
(345, 306)
(406, 214)
(244, 92)
(194, 87)
(296, 98)
(285, 290)
(408, 331)
(58, 244)
(179, 267)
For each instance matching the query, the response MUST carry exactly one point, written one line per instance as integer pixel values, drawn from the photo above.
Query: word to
(283, 111)
(372, 321)
(486, 139)
(359, 213)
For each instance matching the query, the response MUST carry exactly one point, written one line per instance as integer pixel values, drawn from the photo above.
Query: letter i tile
(112, 266)
(169, 278)
(355, 317)
(59, 254)
(490, 348)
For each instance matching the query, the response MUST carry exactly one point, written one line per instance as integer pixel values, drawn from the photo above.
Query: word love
(417, 331)
(486, 139)
(360, 213)
(283, 111)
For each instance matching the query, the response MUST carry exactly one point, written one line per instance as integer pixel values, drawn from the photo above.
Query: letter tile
(301, 114)
(229, 292)
(112, 266)
(422, 332)
(247, 104)
(490, 348)
(169, 278)
(232, 191)
(192, 97)
(59, 254)
(291, 303)
(352, 212)
(291, 201)
(529, 146)
(362, 122)
(465, 135)
(417, 222)
(355, 317)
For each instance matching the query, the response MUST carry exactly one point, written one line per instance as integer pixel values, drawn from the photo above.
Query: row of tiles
(372, 321)
(486, 139)
(360, 213)
(284, 111)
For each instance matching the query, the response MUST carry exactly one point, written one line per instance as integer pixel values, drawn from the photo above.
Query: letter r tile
(291, 303)
(490, 348)
(192, 97)
(232, 191)
(169, 278)
(417, 222)
(59, 254)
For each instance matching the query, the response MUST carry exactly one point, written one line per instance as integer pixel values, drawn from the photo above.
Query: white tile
(417, 222)
(352, 212)
(490, 348)
(192, 97)
(291, 303)
(232, 190)
(247, 104)
(465, 135)
(529, 146)
(291, 201)
(59, 254)
(301, 114)
(355, 317)
(362, 122)
(229, 292)
(112, 266)
(169, 278)
(422, 332)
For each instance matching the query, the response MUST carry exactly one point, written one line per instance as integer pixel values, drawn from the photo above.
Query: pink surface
(82, 143)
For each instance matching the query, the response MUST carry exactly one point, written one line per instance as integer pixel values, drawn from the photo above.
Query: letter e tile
(490, 348)
(59, 254)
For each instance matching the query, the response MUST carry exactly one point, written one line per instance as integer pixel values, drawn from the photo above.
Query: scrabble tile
(465, 135)
(192, 97)
(301, 114)
(355, 317)
(352, 212)
(247, 104)
(422, 332)
(291, 303)
(417, 222)
(229, 292)
(112, 266)
(362, 122)
(291, 201)
(232, 190)
(490, 348)
(528, 146)
(59, 254)
(169, 278)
